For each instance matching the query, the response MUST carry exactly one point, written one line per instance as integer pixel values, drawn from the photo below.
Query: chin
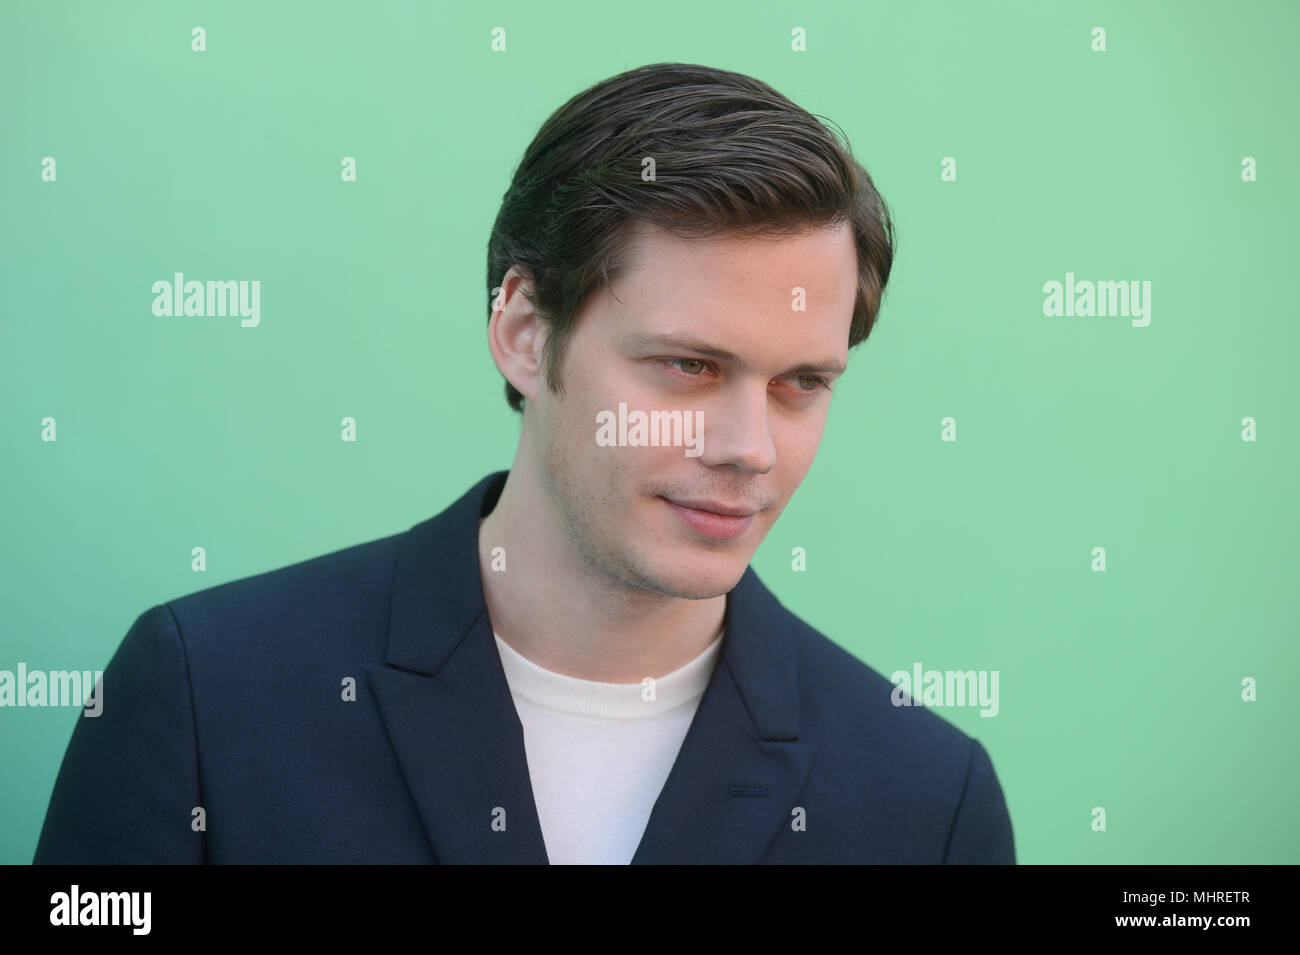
(712, 579)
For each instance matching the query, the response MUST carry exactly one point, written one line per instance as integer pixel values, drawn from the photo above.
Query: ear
(516, 334)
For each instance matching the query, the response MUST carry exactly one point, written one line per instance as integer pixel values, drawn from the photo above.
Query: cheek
(792, 444)
(576, 427)
(794, 455)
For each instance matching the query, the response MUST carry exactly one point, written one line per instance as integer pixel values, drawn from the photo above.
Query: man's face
(655, 347)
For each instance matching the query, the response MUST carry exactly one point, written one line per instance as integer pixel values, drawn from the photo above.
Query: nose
(736, 431)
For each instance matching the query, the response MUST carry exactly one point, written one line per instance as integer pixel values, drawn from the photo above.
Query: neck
(565, 615)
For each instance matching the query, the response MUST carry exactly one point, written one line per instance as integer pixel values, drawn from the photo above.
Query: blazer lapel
(444, 699)
(741, 766)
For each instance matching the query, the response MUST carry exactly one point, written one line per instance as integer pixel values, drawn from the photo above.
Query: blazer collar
(447, 707)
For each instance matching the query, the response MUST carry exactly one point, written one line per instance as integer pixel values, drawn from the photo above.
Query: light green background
(1118, 689)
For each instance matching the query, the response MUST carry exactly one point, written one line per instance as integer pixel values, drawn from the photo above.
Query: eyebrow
(687, 343)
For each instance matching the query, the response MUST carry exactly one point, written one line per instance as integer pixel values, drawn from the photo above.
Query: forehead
(779, 291)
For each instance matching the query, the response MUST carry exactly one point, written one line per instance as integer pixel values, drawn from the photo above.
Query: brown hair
(731, 156)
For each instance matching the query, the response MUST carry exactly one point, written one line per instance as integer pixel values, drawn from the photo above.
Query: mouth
(713, 519)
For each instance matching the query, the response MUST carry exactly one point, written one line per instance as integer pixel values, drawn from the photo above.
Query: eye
(686, 366)
(815, 382)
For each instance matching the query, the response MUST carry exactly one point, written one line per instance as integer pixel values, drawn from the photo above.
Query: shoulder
(328, 604)
(848, 714)
(913, 766)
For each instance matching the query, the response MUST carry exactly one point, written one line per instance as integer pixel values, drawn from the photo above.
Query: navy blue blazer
(231, 700)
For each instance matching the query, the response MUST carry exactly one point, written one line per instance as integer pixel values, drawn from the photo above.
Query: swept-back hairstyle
(728, 154)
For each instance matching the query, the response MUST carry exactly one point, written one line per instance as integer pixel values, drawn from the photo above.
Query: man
(574, 661)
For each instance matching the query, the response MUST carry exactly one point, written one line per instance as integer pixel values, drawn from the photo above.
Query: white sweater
(599, 753)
